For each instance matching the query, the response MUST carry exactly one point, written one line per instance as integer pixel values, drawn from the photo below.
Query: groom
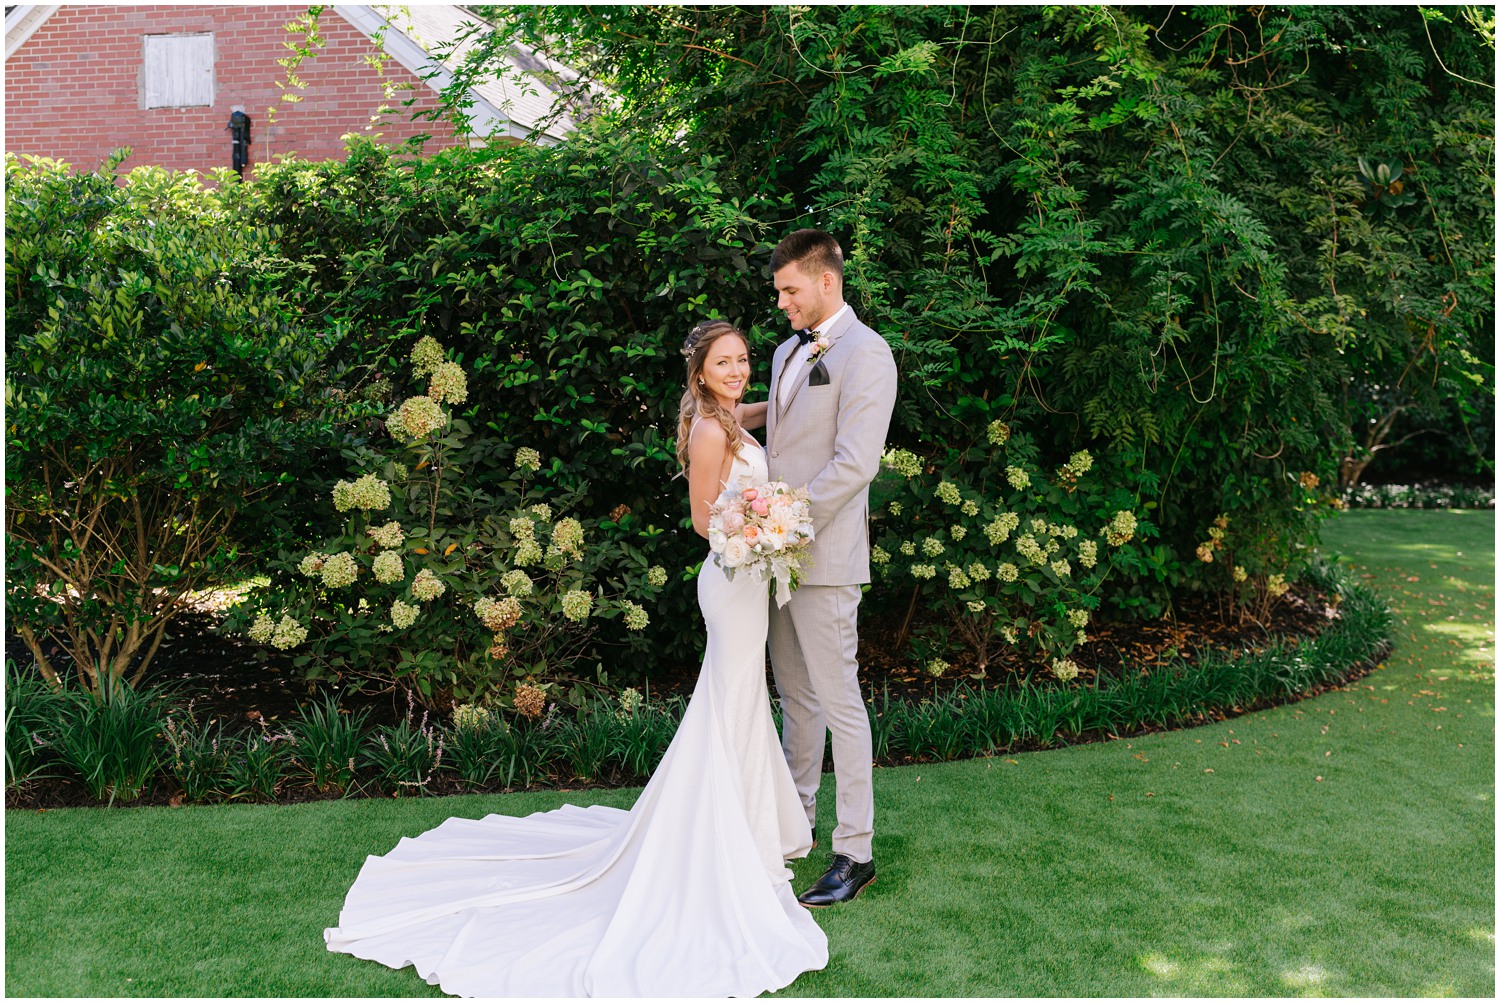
(832, 390)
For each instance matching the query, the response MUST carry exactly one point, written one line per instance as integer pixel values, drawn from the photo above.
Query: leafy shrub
(1010, 553)
(255, 765)
(109, 738)
(481, 749)
(32, 710)
(327, 741)
(644, 732)
(405, 756)
(446, 587)
(155, 387)
(198, 756)
(564, 278)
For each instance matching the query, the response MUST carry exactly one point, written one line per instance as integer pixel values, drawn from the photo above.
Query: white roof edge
(485, 119)
(23, 21)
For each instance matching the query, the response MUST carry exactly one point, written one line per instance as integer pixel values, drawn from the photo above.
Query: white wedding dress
(685, 894)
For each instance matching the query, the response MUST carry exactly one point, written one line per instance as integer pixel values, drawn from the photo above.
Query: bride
(687, 893)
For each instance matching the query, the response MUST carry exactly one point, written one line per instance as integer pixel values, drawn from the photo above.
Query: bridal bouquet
(764, 529)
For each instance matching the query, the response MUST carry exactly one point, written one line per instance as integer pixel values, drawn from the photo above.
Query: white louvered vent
(179, 70)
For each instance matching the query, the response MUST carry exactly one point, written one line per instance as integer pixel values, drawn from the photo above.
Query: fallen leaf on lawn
(1209, 770)
(1318, 779)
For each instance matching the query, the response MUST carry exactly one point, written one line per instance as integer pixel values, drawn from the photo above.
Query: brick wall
(73, 90)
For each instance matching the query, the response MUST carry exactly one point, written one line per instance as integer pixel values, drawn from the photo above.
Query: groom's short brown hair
(814, 251)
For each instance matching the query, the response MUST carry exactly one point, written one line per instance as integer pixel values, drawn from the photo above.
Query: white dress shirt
(793, 369)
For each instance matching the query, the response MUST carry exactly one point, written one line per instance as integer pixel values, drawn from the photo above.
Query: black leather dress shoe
(840, 883)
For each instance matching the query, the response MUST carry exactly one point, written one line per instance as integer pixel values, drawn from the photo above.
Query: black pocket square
(819, 377)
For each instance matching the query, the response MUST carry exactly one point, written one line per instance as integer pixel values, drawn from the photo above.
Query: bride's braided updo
(698, 401)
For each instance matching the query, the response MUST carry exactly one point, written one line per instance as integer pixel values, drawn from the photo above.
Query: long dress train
(685, 894)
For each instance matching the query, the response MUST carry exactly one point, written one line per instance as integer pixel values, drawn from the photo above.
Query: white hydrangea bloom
(340, 570)
(388, 567)
(403, 615)
(427, 586)
(576, 605)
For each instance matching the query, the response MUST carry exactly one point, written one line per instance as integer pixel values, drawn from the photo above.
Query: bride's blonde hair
(698, 401)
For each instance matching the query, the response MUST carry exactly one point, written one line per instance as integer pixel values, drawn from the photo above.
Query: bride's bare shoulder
(707, 440)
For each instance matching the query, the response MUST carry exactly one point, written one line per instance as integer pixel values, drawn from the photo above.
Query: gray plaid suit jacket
(829, 437)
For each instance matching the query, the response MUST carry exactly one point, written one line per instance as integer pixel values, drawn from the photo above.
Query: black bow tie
(803, 337)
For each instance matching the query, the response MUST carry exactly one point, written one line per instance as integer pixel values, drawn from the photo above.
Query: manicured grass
(1211, 861)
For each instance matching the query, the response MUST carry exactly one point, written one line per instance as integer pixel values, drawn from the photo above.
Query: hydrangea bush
(479, 596)
(1009, 552)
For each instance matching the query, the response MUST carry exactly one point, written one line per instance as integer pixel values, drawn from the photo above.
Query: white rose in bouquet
(735, 552)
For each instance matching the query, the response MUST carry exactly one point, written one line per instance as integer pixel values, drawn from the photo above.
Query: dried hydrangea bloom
(312, 565)
(530, 701)
(498, 614)
(997, 433)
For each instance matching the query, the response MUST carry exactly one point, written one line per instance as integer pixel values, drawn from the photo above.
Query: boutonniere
(817, 347)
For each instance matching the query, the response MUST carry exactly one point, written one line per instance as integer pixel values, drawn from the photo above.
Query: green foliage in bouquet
(158, 392)
(1007, 552)
(447, 576)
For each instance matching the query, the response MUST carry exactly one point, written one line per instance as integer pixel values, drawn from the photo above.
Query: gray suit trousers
(813, 647)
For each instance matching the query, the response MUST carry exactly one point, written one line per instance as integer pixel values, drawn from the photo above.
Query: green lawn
(1340, 846)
